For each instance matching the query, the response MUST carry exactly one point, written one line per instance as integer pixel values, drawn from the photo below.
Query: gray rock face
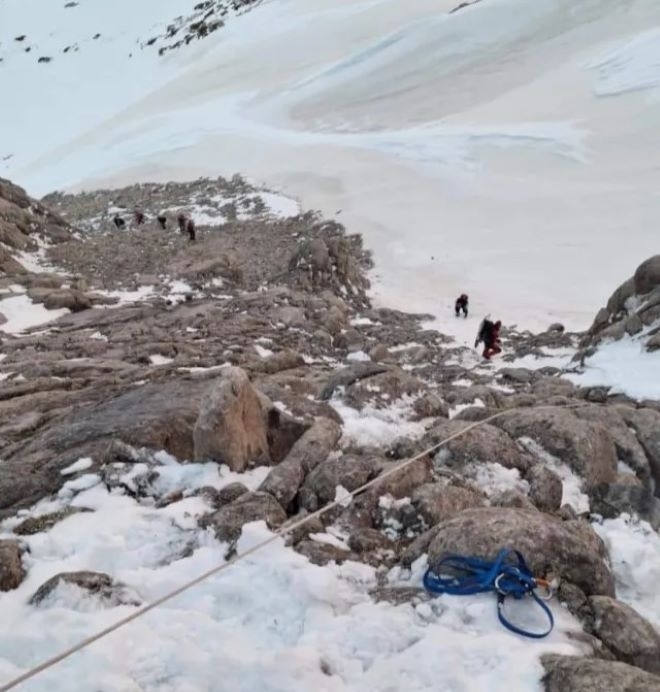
(626, 442)
(347, 470)
(545, 488)
(585, 446)
(312, 449)
(646, 423)
(44, 522)
(231, 426)
(486, 443)
(512, 498)
(11, 566)
(577, 674)
(102, 586)
(228, 521)
(568, 548)
(439, 501)
(612, 499)
(647, 275)
(630, 637)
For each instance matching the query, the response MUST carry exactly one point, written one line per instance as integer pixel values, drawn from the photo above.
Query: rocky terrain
(256, 350)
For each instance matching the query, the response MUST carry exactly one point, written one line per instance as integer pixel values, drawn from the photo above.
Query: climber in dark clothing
(138, 215)
(162, 221)
(118, 221)
(489, 334)
(461, 305)
(190, 230)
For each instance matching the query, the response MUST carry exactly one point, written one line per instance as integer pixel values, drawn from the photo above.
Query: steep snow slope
(508, 149)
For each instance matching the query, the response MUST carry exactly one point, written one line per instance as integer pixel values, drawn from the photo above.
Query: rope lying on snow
(49, 663)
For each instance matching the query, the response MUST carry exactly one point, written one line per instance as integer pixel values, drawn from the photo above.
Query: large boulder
(646, 424)
(585, 446)
(626, 442)
(11, 565)
(231, 426)
(228, 521)
(612, 499)
(578, 674)
(482, 444)
(570, 549)
(630, 637)
(439, 501)
(348, 471)
(647, 275)
(285, 479)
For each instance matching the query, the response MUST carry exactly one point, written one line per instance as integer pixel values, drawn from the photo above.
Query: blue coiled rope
(464, 576)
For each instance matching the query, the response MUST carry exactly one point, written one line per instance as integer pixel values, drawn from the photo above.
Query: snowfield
(513, 142)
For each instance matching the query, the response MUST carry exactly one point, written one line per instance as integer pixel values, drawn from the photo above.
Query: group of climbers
(489, 331)
(186, 224)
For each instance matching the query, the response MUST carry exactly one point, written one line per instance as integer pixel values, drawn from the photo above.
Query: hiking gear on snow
(463, 576)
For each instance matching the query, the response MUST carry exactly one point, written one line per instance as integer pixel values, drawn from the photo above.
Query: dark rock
(101, 585)
(44, 522)
(231, 492)
(630, 637)
(578, 674)
(348, 375)
(367, 540)
(512, 498)
(228, 521)
(349, 471)
(312, 449)
(11, 565)
(322, 553)
(612, 499)
(439, 501)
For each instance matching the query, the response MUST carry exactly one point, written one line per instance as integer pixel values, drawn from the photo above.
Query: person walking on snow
(489, 334)
(461, 305)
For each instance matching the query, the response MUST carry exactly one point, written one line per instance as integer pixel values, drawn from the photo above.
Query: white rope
(49, 663)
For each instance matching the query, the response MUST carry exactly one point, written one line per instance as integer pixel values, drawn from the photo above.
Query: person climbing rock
(162, 221)
(489, 334)
(138, 216)
(461, 305)
(118, 221)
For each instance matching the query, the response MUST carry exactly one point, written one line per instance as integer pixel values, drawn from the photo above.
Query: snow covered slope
(507, 149)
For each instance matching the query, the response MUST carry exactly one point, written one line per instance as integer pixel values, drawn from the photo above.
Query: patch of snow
(329, 539)
(622, 467)
(463, 383)
(97, 336)
(343, 496)
(632, 65)
(279, 206)
(634, 549)
(379, 427)
(140, 294)
(80, 465)
(262, 352)
(362, 321)
(157, 359)
(404, 347)
(623, 365)
(572, 494)
(455, 410)
(22, 313)
(357, 357)
(493, 478)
